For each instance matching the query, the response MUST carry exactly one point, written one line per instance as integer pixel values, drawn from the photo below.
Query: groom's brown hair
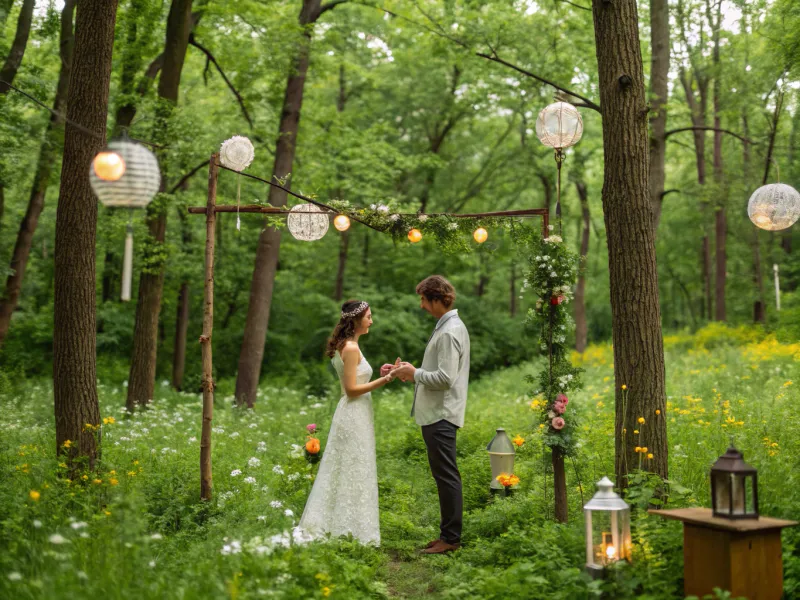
(438, 288)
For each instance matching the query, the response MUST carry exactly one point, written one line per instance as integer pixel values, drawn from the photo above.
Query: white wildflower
(262, 446)
(79, 525)
(57, 538)
(423, 218)
(394, 218)
(14, 576)
(553, 239)
(276, 504)
(151, 564)
(253, 425)
(453, 226)
(288, 512)
(293, 476)
(37, 523)
(277, 469)
(261, 518)
(235, 434)
(236, 472)
(235, 547)
(250, 480)
(550, 227)
(253, 462)
(156, 536)
(382, 208)
(551, 415)
(82, 575)
(192, 439)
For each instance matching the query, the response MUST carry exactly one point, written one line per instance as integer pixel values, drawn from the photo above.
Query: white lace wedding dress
(344, 499)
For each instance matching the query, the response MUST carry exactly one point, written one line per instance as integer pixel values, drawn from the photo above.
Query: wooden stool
(741, 556)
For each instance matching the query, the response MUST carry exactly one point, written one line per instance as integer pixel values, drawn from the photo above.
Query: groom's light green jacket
(440, 390)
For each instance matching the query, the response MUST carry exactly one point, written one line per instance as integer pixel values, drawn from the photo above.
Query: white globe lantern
(125, 175)
(307, 222)
(237, 153)
(559, 125)
(774, 207)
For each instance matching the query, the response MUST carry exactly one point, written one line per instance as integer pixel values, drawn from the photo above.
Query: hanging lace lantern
(307, 222)
(237, 153)
(559, 125)
(125, 175)
(774, 207)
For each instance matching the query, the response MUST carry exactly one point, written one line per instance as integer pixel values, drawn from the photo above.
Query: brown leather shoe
(441, 547)
(432, 543)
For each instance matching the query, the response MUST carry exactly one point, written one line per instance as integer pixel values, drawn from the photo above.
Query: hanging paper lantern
(480, 235)
(237, 153)
(125, 175)
(307, 222)
(414, 236)
(108, 166)
(135, 185)
(342, 222)
(559, 125)
(775, 206)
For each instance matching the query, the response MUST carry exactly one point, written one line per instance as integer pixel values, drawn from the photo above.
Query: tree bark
(559, 486)
(581, 325)
(181, 329)
(47, 158)
(141, 381)
(261, 288)
(74, 338)
(659, 76)
(720, 220)
(344, 243)
(17, 51)
(633, 275)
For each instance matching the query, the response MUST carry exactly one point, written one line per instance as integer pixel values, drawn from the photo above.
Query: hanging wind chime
(237, 153)
(125, 175)
(559, 126)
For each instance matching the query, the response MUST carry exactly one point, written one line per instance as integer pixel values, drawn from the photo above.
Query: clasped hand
(403, 371)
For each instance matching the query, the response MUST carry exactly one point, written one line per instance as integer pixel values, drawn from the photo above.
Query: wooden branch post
(205, 339)
(741, 556)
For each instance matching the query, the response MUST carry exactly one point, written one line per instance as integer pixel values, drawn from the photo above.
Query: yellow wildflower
(326, 591)
(67, 443)
(131, 473)
(650, 455)
(34, 495)
(107, 513)
(636, 431)
(541, 425)
(640, 420)
(84, 477)
(624, 387)
(97, 481)
(638, 449)
(644, 449)
(658, 412)
(113, 481)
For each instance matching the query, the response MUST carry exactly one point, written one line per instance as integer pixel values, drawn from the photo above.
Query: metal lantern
(480, 235)
(559, 125)
(125, 175)
(608, 528)
(734, 487)
(342, 222)
(774, 207)
(501, 457)
(307, 222)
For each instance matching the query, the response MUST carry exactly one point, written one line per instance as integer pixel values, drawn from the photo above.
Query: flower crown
(357, 310)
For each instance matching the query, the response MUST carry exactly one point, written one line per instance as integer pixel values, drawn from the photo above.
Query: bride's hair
(346, 327)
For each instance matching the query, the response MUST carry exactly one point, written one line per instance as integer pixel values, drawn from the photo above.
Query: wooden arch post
(208, 326)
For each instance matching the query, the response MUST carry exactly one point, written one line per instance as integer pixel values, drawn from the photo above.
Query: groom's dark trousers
(440, 439)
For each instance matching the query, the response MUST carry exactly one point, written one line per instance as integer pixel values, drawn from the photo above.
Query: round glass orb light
(774, 207)
(480, 235)
(307, 222)
(108, 166)
(125, 175)
(342, 222)
(414, 236)
(559, 125)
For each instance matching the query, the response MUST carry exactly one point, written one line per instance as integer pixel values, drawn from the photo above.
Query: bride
(344, 499)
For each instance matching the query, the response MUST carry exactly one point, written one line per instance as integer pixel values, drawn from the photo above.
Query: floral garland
(448, 231)
(550, 272)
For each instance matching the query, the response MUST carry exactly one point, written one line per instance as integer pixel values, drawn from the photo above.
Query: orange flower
(312, 446)
(507, 480)
(519, 440)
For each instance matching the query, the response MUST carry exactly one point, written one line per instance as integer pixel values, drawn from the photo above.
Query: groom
(440, 399)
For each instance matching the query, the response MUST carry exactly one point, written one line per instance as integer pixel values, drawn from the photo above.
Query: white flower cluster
(553, 239)
(564, 380)
(235, 547)
(277, 469)
(394, 218)
(262, 446)
(253, 462)
(250, 480)
(423, 218)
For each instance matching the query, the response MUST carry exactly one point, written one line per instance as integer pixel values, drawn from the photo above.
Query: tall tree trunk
(547, 187)
(759, 305)
(141, 381)
(266, 263)
(635, 310)
(344, 243)
(659, 76)
(17, 51)
(48, 153)
(512, 303)
(74, 338)
(720, 221)
(181, 329)
(581, 326)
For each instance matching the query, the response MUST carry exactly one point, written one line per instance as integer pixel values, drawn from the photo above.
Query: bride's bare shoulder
(350, 349)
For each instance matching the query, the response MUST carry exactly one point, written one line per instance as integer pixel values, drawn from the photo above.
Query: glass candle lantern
(734, 487)
(501, 456)
(608, 529)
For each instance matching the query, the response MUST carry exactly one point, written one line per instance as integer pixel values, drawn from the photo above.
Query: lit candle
(611, 553)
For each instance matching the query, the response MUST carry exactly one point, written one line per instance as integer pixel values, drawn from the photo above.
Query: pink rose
(558, 423)
(563, 399)
(311, 427)
(559, 407)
